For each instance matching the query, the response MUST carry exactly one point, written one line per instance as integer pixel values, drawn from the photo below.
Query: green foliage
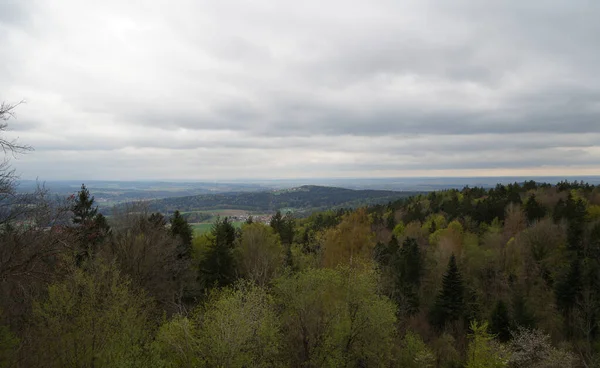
(483, 351)
(8, 347)
(93, 318)
(415, 353)
(399, 230)
(500, 322)
(83, 208)
(216, 263)
(568, 288)
(176, 344)
(449, 305)
(334, 317)
(533, 209)
(408, 269)
(181, 229)
(259, 254)
(239, 328)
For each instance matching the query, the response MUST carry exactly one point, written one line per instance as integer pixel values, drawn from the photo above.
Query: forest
(306, 198)
(502, 277)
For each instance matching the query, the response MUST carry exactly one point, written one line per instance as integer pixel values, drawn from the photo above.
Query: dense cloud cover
(272, 89)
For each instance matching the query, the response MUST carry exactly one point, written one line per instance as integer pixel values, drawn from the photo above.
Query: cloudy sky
(223, 89)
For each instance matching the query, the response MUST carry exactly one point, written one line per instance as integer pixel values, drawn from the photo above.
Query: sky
(232, 89)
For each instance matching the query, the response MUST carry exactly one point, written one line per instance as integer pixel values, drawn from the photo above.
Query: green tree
(92, 319)
(8, 347)
(259, 253)
(335, 318)
(91, 227)
(408, 268)
(522, 315)
(449, 305)
(239, 328)
(83, 208)
(500, 322)
(483, 351)
(533, 209)
(181, 229)
(415, 353)
(217, 263)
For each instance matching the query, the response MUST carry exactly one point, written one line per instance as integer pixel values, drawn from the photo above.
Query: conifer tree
(533, 209)
(449, 305)
(91, 225)
(408, 267)
(180, 228)
(522, 315)
(217, 267)
(83, 208)
(157, 219)
(568, 288)
(500, 322)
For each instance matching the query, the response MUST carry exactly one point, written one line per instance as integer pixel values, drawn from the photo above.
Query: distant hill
(308, 197)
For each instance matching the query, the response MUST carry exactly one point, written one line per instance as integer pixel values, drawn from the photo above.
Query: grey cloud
(279, 88)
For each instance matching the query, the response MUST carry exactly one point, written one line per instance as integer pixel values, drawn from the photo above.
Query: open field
(204, 227)
(221, 212)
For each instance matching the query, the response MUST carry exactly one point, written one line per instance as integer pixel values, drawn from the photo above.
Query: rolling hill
(308, 197)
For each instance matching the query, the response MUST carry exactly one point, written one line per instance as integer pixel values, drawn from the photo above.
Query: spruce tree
(449, 305)
(500, 322)
(522, 315)
(533, 209)
(568, 288)
(157, 220)
(91, 227)
(180, 228)
(83, 208)
(217, 267)
(407, 264)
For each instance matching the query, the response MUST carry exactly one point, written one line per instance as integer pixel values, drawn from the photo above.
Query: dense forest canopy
(502, 277)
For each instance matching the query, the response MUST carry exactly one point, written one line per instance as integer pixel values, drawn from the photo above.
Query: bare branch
(7, 111)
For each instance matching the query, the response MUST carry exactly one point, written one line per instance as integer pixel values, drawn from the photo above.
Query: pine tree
(576, 211)
(91, 227)
(408, 267)
(217, 267)
(276, 222)
(533, 209)
(83, 209)
(449, 305)
(568, 288)
(500, 322)
(522, 315)
(180, 228)
(157, 220)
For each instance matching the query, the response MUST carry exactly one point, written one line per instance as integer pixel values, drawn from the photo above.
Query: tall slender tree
(181, 229)
(449, 305)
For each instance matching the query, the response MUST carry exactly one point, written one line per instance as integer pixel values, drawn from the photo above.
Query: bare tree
(7, 111)
(8, 208)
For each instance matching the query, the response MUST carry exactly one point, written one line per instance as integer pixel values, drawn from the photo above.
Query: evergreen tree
(276, 222)
(409, 269)
(500, 322)
(91, 227)
(180, 228)
(217, 267)
(576, 212)
(284, 227)
(449, 305)
(533, 209)
(522, 315)
(568, 288)
(157, 220)
(83, 208)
